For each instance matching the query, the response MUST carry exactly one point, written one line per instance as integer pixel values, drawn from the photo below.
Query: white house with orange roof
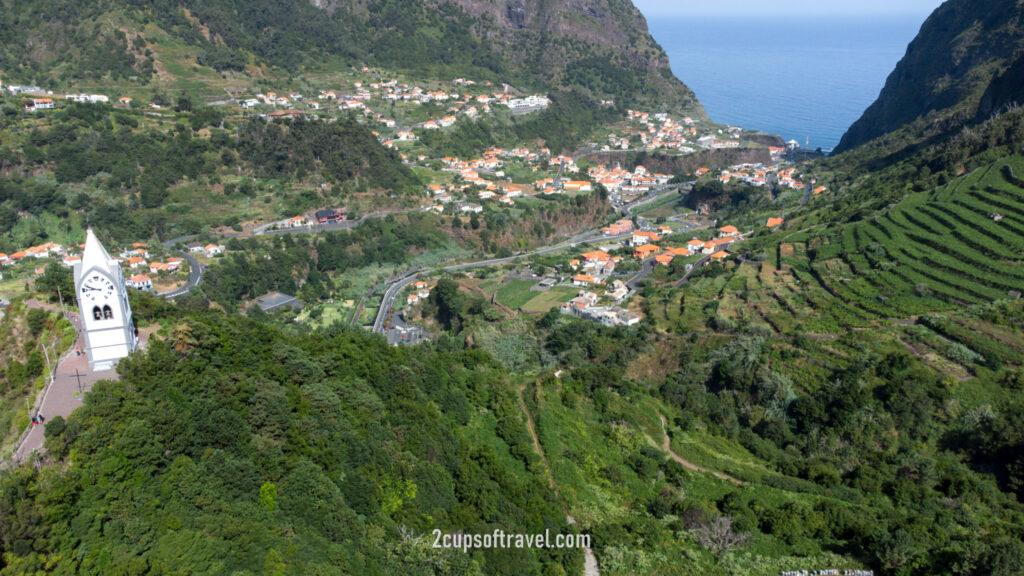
(640, 238)
(212, 250)
(139, 282)
(39, 104)
(173, 264)
(583, 280)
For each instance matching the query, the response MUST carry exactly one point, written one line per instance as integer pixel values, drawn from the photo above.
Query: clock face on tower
(96, 288)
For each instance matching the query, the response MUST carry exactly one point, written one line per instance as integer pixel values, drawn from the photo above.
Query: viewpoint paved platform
(73, 378)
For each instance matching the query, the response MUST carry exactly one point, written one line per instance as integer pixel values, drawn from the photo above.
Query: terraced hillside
(935, 272)
(960, 244)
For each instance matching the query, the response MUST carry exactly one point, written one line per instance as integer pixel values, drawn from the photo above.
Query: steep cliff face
(958, 69)
(602, 46)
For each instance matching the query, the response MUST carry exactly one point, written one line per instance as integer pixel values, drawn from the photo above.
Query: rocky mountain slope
(964, 66)
(601, 46)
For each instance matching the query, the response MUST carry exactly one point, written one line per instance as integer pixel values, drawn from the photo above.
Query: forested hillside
(178, 173)
(602, 47)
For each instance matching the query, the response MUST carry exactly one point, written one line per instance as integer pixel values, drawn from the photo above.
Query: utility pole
(47, 354)
(61, 298)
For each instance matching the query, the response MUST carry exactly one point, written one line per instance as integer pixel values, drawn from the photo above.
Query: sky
(794, 7)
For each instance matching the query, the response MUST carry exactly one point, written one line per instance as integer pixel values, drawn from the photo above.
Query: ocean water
(802, 78)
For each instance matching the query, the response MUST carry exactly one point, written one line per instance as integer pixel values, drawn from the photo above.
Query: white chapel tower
(103, 302)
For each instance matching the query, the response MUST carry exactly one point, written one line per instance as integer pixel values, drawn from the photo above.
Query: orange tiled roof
(596, 255)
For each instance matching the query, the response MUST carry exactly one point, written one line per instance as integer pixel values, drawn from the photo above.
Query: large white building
(110, 334)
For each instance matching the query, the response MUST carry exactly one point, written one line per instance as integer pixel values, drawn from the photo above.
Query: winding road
(394, 286)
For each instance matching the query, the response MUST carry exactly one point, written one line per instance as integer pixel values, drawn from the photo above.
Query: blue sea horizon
(805, 78)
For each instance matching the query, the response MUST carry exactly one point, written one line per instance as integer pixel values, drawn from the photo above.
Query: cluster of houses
(137, 257)
(50, 249)
(420, 291)
(593, 268)
(622, 182)
(45, 99)
(624, 226)
(132, 259)
(716, 248)
(491, 163)
(661, 132)
(645, 244)
(757, 175)
(658, 131)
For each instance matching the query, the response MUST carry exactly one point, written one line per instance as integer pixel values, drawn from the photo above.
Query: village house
(577, 186)
(645, 251)
(39, 104)
(212, 250)
(620, 227)
(663, 259)
(583, 280)
(728, 232)
(596, 256)
(139, 282)
(619, 290)
(194, 247)
(719, 256)
(329, 215)
(640, 238)
(773, 222)
(136, 262)
(297, 222)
